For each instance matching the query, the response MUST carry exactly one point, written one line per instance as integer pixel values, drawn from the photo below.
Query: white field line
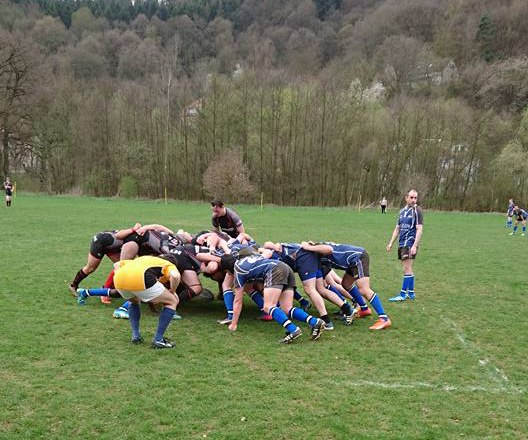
(496, 374)
(442, 387)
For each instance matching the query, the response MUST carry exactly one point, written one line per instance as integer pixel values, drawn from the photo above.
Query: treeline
(304, 102)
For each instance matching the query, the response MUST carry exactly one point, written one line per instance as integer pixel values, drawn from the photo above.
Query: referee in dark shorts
(410, 228)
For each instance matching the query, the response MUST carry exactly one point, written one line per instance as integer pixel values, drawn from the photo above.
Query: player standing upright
(509, 213)
(226, 219)
(410, 228)
(8, 187)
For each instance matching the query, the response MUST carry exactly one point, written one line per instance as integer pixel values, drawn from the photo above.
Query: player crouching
(279, 281)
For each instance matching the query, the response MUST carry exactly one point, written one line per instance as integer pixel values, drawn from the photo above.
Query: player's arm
(419, 230)
(395, 234)
(123, 233)
(154, 227)
(266, 253)
(174, 279)
(237, 307)
(243, 236)
(323, 249)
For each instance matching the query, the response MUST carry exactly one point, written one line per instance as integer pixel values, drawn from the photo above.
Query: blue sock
(298, 297)
(165, 319)
(256, 296)
(134, 315)
(509, 223)
(524, 229)
(358, 298)
(124, 306)
(336, 291)
(410, 286)
(229, 298)
(279, 316)
(376, 303)
(301, 315)
(515, 228)
(405, 284)
(97, 292)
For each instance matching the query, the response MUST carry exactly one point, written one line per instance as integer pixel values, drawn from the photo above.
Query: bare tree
(17, 67)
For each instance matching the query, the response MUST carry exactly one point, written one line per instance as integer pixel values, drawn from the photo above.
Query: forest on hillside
(301, 102)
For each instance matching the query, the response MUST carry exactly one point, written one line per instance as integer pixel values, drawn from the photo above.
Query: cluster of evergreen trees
(327, 102)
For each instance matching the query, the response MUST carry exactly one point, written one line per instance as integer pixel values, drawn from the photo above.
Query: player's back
(342, 256)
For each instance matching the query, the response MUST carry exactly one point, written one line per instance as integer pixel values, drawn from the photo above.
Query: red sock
(109, 283)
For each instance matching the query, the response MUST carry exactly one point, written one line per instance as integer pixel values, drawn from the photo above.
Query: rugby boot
(381, 324)
(363, 313)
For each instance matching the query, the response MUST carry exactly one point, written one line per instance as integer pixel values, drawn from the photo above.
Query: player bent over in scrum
(141, 280)
(355, 262)
(107, 243)
(279, 282)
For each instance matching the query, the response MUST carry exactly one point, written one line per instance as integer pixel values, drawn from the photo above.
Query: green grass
(452, 367)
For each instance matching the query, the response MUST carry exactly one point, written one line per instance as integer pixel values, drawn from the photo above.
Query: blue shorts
(307, 265)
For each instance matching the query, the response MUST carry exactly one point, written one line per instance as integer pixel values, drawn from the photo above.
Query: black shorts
(8, 192)
(280, 277)
(99, 244)
(404, 253)
(361, 268)
(325, 270)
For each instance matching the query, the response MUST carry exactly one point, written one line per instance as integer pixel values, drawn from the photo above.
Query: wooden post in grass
(165, 195)
(359, 203)
(261, 201)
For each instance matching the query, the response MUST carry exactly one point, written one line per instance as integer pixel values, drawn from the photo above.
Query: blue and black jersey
(343, 256)
(409, 218)
(510, 209)
(253, 269)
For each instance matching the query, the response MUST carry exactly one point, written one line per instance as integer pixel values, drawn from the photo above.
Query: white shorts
(144, 295)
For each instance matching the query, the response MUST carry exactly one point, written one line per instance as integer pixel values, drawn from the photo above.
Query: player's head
(516, 207)
(8, 179)
(217, 206)
(510, 201)
(184, 236)
(412, 197)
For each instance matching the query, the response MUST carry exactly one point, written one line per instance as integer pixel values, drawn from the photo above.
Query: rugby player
(355, 262)
(278, 283)
(509, 213)
(107, 243)
(410, 227)
(8, 187)
(307, 265)
(520, 215)
(141, 280)
(225, 219)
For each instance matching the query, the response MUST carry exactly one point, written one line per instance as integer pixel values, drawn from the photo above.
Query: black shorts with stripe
(361, 268)
(404, 253)
(280, 277)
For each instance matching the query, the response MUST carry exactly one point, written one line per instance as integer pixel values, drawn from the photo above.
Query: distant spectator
(8, 187)
(383, 205)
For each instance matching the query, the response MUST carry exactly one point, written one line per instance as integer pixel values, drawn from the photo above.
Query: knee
(88, 269)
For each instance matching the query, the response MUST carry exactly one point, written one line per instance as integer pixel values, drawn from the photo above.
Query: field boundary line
(440, 387)
(496, 374)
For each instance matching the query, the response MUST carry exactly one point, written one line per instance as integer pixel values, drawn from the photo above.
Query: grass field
(453, 366)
